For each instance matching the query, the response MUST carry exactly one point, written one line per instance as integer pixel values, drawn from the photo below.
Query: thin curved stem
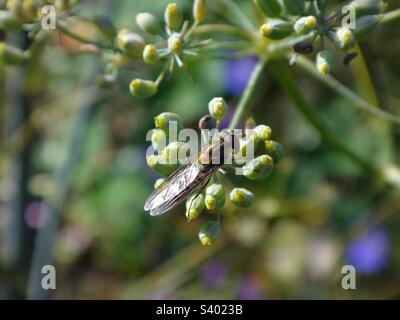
(390, 16)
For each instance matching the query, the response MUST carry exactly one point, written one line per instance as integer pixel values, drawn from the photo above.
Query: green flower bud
(367, 27)
(105, 26)
(197, 205)
(158, 139)
(105, 81)
(150, 54)
(270, 8)
(173, 16)
(345, 39)
(143, 89)
(159, 182)
(148, 23)
(159, 165)
(199, 10)
(131, 43)
(10, 54)
(218, 108)
(276, 29)
(274, 150)
(174, 150)
(259, 167)
(294, 7)
(325, 62)
(9, 22)
(175, 43)
(249, 144)
(162, 121)
(242, 197)
(367, 7)
(209, 233)
(215, 197)
(305, 25)
(262, 132)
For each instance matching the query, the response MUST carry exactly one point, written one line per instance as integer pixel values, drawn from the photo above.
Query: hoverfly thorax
(220, 150)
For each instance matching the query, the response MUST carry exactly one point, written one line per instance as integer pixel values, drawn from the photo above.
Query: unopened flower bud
(276, 29)
(158, 139)
(194, 206)
(148, 23)
(325, 62)
(270, 8)
(159, 182)
(262, 132)
(105, 26)
(175, 43)
(143, 89)
(274, 150)
(367, 7)
(305, 25)
(345, 39)
(209, 233)
(259, 167)
(131, 43)
(215, 197)
(150, 54)
(199, 10)
(247, 146)
(163, 120)
(159, 165)
(174, 151)
(173, 16)
(9, 22)
(242, 197)
(367, 27)
(218, 108)
(10, 54)
(294, 7)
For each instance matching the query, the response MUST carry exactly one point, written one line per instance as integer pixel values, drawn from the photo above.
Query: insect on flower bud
(10, 54)
(209, 233)
(158, 139)
(305, 25)
(294, 7)
(143, 89)
(199, 10)
(148, 23)
(173, 16)
(345, 39)
(175, 43)
(131, 43)
(159, 165)
(242, 197)
(259, 167)
(215, 197)
(150, 54)
(105, 26)
(276, 29)
(325, 62)
(158, 182)
(262, 132)
(274, 150)
(367, 7)
(367, 27)
(9, 22)
(270, 8)
(163, 120)
(194, 206)
(218, 108)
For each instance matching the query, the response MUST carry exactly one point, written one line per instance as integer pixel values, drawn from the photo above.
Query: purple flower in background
(36, 214)
(214, 273)
(370, 253)
(249, 289)
(237, 74)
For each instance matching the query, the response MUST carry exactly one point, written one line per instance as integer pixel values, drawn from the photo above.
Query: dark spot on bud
(204, 121)
(349, 57)
(304, 47)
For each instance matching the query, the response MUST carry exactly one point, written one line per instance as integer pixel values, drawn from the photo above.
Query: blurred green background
(71, 150)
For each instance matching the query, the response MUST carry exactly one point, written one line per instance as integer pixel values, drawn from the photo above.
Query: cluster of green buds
(314, 21)
(255, 155)
(172, 44)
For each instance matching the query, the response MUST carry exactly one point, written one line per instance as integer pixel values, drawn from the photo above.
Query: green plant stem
(225, 29)
(391, 16)
(246, 99)
(290, 87)
(342, 90)
(234, 14)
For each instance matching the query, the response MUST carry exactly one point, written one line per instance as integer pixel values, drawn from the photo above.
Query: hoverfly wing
(179, 185)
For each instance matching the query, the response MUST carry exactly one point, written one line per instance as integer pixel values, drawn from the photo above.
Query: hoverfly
(192, 177)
